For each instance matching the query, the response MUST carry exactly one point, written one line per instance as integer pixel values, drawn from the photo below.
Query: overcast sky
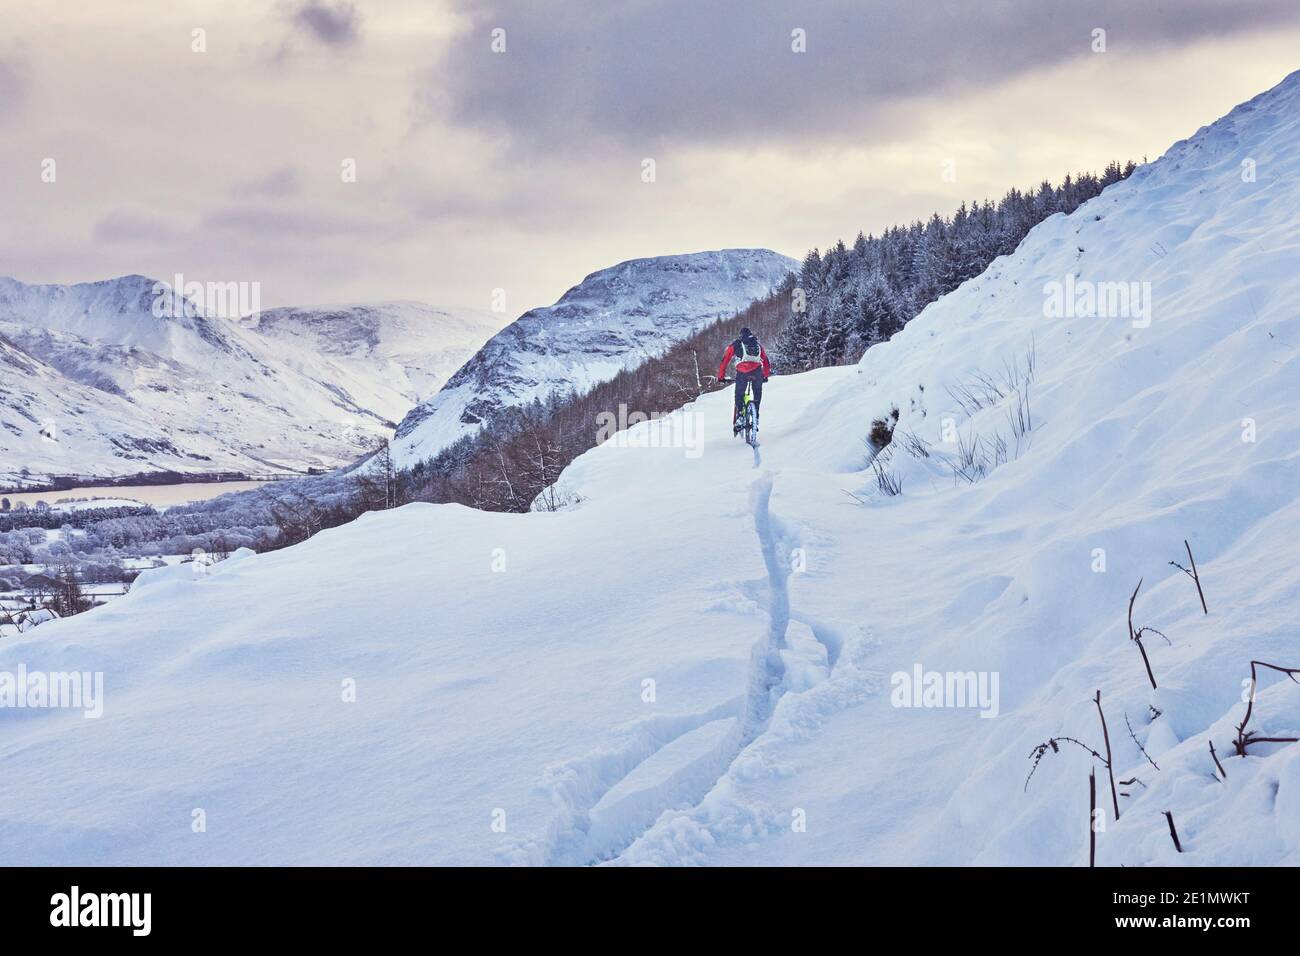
(523, 169)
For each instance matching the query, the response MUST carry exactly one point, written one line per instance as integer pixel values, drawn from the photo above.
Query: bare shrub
(887, 482)
(1244, 737)
(882, 429)
(979, 391)
(972, 461)
(913, 444)
(1019, 415)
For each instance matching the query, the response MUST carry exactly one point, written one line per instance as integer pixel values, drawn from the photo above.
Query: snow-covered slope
(697, 663)
(614, 319)
(98, 385)
(410, 346)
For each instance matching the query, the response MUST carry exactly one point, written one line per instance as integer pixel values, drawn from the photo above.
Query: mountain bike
(748, 415)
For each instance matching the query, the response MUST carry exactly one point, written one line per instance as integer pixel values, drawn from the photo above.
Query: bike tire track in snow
(605, 812)
(766, 667)
(762, 690)
(577, 786)
(685, 834)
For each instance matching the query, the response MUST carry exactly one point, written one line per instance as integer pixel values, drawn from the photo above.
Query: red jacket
(728, 355)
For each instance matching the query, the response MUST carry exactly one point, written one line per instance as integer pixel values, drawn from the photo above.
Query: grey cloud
(284, 181)
(13, 85)
(259, 220)
(588, 71)
(336, 26)
(517, 205)
(122, 227)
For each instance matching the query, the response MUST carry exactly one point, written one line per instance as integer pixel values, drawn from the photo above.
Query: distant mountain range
(100, 383)
(613, 320)
(96, 384)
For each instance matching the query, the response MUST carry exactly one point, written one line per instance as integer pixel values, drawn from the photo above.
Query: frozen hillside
(410, 344)
(614, 319)
(98, 385)
(701, 661)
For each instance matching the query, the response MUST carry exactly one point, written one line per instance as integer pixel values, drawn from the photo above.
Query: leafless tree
(67, 596)
(377, 480)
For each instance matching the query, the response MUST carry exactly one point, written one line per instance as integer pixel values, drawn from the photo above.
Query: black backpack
(747, 349)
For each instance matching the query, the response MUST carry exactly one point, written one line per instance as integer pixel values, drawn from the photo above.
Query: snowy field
(58, 501)
(11, 602)
(700, 662)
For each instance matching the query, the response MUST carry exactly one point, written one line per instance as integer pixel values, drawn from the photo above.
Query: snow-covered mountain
(708, 658)
(96, 384)
(411, 346)
(613, 320)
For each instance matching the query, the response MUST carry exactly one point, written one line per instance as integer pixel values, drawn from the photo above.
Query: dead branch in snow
(1110, 763)
(1129, 782)
(1092, 817)
(1136, 636)
(1245, 738)
(1223, 774)
(1192, 573)
(1173, 832)
(1054, 745)
(1138, 742)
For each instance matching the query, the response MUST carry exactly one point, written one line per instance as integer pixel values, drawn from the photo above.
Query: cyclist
(752, 368)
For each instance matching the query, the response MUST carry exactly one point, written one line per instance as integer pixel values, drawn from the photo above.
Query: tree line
(855, 296)
(54, 518)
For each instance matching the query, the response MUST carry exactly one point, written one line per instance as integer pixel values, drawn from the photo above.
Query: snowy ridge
(413, 346)
(700, 662)
(98, 385)
(613, 320)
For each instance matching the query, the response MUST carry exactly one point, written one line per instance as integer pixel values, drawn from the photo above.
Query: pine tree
(857, 296)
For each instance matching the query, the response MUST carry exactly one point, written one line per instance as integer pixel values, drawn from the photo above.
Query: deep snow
(695, 664)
